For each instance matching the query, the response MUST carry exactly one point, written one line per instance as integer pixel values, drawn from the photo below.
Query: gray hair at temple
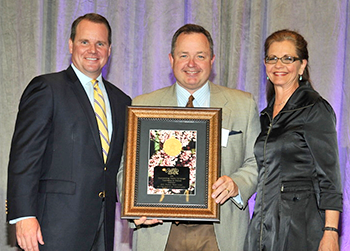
(95, 18)
(192, 28)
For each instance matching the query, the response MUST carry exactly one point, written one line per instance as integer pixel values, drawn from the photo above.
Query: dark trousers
(99, 242)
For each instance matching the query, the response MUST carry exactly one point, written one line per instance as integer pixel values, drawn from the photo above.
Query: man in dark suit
(61, 183)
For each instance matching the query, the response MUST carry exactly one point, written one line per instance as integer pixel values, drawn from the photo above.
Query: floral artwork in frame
(172, 163)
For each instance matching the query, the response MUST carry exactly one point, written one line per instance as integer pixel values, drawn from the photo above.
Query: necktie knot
(94, 82)
(190, 101)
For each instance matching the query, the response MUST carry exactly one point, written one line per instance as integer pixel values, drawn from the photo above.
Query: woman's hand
(329, 241)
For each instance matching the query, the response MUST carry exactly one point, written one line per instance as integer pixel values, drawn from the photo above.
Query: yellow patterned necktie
(100, 112)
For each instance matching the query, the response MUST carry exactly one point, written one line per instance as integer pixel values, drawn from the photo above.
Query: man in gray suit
(191, 59)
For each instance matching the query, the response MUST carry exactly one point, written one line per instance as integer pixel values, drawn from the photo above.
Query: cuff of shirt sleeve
(14, 221)
(238, 198)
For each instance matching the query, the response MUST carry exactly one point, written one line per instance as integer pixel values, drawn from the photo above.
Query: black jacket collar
(303, 96)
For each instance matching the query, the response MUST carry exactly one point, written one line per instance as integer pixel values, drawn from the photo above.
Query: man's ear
(171, 59)
(70, 45)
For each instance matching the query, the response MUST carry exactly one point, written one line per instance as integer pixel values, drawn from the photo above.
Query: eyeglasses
(284, 59)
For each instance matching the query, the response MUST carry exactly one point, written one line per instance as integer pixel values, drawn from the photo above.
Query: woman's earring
(301, 77)
(267, 78)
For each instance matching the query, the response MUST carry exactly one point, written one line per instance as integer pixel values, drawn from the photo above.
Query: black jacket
(299, 174)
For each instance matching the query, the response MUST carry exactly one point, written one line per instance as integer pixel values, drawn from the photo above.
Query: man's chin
(192, 86)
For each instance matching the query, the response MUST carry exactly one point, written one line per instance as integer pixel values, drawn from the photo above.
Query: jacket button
(101, 194)
(105, 168)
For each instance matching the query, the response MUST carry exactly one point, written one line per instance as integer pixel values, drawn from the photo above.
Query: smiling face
(284, 74)
(90, 49)
(192, 61)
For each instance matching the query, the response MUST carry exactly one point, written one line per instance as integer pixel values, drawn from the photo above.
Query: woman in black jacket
(299, 194)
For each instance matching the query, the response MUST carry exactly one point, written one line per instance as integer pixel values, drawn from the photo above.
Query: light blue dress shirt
(201, 96)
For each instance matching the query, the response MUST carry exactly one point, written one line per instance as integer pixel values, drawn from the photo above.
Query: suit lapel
(84, 101)
(117, 115)
(169, 97)
(218, 99)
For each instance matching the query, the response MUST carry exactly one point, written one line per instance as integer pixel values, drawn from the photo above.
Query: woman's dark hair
(92, 17)
(301, 50)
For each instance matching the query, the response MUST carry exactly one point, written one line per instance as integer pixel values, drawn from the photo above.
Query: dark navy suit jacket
(56, 170)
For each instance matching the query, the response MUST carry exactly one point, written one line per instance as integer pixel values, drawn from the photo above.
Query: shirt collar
(83, 78)
(201, 96)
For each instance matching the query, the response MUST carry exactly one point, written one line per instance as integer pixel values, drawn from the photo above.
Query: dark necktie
(190, 101)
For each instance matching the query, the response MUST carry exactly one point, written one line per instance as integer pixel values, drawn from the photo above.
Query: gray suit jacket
(240, 116)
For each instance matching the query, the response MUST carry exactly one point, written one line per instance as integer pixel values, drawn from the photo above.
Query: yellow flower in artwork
(172, 147)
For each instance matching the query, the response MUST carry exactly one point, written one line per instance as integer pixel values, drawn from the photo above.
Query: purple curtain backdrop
(142, 31)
